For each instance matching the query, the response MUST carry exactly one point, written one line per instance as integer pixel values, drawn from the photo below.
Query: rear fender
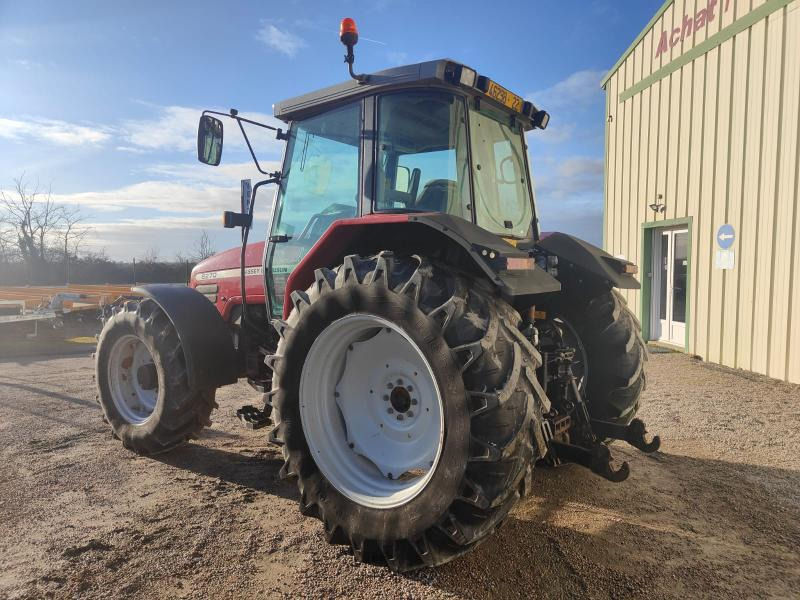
(207, 342)
(450, 239)
(587, 260)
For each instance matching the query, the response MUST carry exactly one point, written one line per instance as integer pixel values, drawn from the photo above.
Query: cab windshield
(502, 197)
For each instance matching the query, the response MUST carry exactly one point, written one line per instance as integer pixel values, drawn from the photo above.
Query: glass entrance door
(670, 276)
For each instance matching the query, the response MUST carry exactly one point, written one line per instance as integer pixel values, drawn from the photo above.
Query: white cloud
(25, 63)
(54, 131)
(129, 238)
(164, 196)
(572, 177)
(130, 149)
(175, 128)
(557, 132)
(224, 174)
(199, 207)
(580, 166)
(580, 89)
(282, 41)
(178, 188)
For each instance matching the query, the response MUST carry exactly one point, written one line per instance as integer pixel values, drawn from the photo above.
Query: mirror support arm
(234, 114)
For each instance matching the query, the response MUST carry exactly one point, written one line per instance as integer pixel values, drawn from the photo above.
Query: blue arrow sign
(726, 236)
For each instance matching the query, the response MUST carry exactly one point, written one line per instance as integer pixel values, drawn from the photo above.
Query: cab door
(319, 185)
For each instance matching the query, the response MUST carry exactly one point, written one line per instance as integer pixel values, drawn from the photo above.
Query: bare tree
(35, 223)
(150, 255)
(7, 253)
(72, 233)
(203, 247)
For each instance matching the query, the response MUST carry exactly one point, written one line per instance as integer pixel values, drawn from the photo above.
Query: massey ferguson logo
(690, 24)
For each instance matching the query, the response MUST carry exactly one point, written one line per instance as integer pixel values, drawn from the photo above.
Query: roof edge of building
(635, 42)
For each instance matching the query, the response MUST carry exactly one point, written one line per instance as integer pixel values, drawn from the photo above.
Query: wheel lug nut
(410, 413)
(410, 388)
(414, 401)
(390, 410)
(386, 397)
(399, 417)
(389, 386)
(399, 382)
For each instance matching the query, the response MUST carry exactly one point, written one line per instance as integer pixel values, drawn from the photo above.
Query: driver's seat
(436, 194)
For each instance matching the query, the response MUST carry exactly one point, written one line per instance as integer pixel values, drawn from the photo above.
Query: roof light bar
(463, 75)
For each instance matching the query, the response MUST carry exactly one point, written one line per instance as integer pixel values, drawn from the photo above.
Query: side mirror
(209, 140)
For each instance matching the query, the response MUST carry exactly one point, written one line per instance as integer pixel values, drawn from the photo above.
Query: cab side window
(422, 153)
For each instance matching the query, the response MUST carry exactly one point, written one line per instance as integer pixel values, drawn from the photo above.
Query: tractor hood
(226, 263)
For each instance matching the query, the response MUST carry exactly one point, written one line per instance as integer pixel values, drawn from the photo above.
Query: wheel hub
(371, 410)
(147, 376)
(133, 379)
(400, 399)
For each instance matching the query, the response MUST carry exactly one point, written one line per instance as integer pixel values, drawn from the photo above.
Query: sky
(99, 101)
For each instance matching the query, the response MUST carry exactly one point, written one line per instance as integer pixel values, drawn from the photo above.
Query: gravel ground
(716, 513)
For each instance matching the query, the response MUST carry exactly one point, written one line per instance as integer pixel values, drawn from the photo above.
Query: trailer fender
(590, 260)
(207, 342)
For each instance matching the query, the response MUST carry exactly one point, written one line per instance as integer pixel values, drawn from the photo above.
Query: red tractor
(420, 346)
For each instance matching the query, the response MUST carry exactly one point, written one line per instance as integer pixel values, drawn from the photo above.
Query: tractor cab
(430, 137)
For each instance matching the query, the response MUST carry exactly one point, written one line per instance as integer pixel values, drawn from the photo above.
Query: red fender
(330, 246)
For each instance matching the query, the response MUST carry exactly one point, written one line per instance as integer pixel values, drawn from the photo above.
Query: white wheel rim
(133, 379)
(375, 431)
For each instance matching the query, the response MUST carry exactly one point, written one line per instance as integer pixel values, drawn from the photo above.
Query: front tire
(142, 381)
(458, 351)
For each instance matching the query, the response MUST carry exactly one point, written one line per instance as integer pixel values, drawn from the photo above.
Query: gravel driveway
(716, 513)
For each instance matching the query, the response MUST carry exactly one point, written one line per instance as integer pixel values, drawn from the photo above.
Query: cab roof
(425, 73)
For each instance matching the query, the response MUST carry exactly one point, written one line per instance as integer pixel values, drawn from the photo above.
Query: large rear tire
(142, 382)
(450, 353)
(615, 354)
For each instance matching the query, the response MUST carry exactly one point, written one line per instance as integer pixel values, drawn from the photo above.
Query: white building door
(670, 276)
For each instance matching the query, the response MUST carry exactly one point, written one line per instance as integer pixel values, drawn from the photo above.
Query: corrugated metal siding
(719, 138)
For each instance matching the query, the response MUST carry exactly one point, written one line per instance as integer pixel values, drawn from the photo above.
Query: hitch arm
(634, 434)
(597, 459)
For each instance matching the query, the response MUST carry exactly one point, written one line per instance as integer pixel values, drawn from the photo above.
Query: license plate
(503, 96)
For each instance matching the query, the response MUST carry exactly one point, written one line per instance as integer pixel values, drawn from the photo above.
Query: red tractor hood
(218, 278)
(229, 259)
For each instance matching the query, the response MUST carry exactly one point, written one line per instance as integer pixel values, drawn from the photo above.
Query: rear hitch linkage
(577, 438)
(633, 434)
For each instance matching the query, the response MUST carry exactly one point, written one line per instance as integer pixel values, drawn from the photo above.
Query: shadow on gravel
(55, 395)
(679, 527)
(259, 472)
